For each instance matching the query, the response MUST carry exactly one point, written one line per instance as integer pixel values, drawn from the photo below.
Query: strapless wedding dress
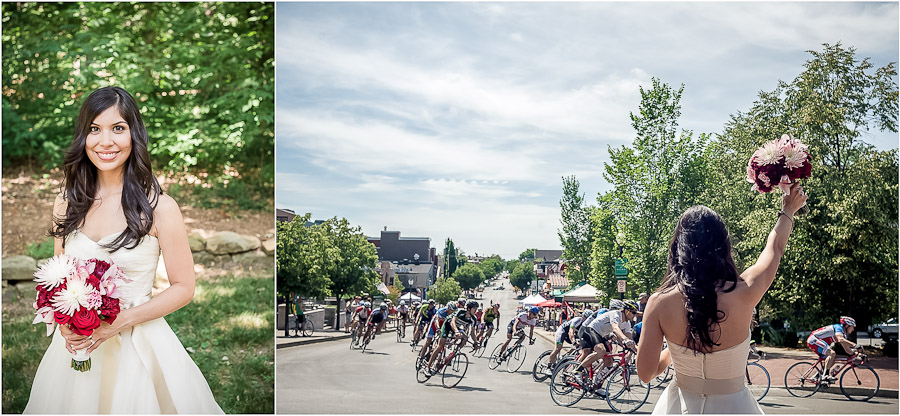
(144, 369)
(708, 383)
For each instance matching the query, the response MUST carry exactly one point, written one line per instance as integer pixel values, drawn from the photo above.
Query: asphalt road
(328, 378)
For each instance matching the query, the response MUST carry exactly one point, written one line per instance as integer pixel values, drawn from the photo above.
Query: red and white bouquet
(79, 294)
(778, 163)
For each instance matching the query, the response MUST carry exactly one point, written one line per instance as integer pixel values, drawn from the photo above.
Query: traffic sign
(620, 285)
(620, 267)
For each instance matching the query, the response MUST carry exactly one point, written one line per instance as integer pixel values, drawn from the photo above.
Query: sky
(459, 120)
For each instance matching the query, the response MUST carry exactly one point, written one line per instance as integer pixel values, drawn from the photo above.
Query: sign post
(621, 277)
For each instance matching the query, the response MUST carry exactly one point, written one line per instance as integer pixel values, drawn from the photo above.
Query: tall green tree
(451, 259)
(352, 269)
(444, 290)
(491, 266)
(522, 276)
(469, 276)
(303, 258)
(603, 245)
(575, 235)
(527, 255)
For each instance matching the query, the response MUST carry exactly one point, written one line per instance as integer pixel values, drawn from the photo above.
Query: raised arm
(760, 276)
(169, 226)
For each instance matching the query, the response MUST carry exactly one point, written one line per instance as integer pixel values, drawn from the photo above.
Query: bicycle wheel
(802, 379)
(624, 393)
(455, 370)
(399, 335)
(308, 328)
(365, 342)
(515, 359)
(494, 361)
(480, 351)
(354, 338)
(293, 330)
(663, 377)
(758, 380)
(538, 372)
(860, 383)
(421, 375)
(565, 383)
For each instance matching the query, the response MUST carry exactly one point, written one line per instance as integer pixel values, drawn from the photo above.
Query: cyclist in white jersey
(517, 325)
(615, 323)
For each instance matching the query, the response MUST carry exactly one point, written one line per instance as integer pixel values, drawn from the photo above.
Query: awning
(532, 300)
(383, 289)
(410, 297)
(548, 303)
(585, 293)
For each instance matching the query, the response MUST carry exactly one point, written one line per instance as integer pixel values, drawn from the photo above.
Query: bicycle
(453, 366)
(354, 337)
(542, 368)
(624, 392)
(401, 330)
(756, 376)
(515, 354)
(858, 381)
(304, 328)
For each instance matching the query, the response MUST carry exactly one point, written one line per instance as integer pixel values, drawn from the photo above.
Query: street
(328, 377)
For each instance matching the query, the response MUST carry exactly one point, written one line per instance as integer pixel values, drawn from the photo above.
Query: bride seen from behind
(112, 208)
(703, 309)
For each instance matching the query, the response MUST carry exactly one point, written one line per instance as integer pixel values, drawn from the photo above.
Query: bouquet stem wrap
(81, 361)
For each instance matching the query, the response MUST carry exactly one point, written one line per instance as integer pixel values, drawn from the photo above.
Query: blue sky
(459, 119)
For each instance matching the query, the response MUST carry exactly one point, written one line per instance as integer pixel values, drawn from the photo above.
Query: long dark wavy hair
(140, 189)
(699, 265)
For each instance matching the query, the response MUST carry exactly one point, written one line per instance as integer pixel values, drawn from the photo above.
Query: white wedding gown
(144, 369)
(708, 383)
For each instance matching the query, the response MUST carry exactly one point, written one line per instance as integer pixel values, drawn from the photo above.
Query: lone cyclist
(824, 339)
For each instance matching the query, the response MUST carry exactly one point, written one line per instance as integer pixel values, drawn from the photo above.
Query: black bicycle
(301, 326)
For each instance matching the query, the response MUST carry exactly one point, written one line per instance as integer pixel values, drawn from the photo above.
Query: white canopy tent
(532, 300)
(410, 297)
(585, 293)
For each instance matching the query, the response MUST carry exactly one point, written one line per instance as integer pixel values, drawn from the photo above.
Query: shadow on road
(375, 353)
(774, 405)
(468, 388)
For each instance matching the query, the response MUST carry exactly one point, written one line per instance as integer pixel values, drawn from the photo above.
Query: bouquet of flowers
(779, 163)
(79, 294)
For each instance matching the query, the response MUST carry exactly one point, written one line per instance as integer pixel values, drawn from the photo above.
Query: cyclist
(824, 339)
(602, 329)
(376, 319)
(517, 325)
(423, 317)
(403, 310)
(454, 326)
(360, 315)
(567, 333)
(439, 316)
(487, 321)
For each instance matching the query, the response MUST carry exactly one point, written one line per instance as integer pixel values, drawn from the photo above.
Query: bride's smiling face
(108, 143)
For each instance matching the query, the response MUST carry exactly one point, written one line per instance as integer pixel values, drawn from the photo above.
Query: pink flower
(751, 173)
(769, 154)
(762, 176)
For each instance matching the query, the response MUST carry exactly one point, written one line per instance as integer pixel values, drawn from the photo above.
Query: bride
(113, 209)
(703, 309)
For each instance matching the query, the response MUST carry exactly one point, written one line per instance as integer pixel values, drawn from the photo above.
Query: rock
(253, 258)
(227, 242)
(268, 247)
(208, 260)
(26, 287)
(197, 242)
(19, 268)
(41, 262)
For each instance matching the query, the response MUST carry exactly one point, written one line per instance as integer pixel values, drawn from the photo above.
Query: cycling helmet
(367, 304)
(616, 304)
(587, 314)
(402, 303)
(460, 303)
(630, 305)
(535, 310)
(431, 301)
(384, 306)
(497, 304)
(472, 304)
(846, 320)
(452, 307)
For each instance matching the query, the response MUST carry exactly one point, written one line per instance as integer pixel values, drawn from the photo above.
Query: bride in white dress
(703, 310)
(113, 209)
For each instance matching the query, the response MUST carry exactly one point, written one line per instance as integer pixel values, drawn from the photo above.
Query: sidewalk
(778, 360)
(328, 334)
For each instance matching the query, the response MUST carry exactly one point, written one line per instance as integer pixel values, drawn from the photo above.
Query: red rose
(43, 297)
(61, 318)
(94, 281)
(84, 322)
(100, 267)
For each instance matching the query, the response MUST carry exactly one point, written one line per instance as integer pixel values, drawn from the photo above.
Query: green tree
(527, 255)
(353, 259)
(444, 290)
(491, 266)
(396, 290)
(450, 258)
(510, 265)
(655, 180)
(841, 256)
(303, 258)
(469, 276)
(522, 276)
(603, 245)
(575, 235)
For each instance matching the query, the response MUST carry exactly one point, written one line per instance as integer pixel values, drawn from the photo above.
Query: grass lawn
(228, 326)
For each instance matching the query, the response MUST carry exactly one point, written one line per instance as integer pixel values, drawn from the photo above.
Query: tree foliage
(469, 276)
(491, 266)
(527, 255)
(522, 276)
(202, 73)
(575, 235)
(444, 290)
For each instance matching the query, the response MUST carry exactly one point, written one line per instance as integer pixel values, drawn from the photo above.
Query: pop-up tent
(410, 297)
(585, 293)
(548, 303)
(532, 300)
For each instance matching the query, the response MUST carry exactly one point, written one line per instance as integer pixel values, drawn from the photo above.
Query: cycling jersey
(461, 320)
(426, 314)
(562, 333)
(821, 339)
(377, 316)
(522, 319)
(637, 331)
(478, 315)
(362, 312)
(490, 315)
(604, 323)
(403, 309)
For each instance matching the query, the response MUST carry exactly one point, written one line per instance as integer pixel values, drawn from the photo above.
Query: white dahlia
(56, 270)
(77, 294)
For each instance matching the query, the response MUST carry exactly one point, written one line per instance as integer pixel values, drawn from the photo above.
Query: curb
(323, 339)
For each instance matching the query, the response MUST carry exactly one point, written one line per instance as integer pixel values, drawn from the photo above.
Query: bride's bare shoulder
(166, 213)
(59, 205)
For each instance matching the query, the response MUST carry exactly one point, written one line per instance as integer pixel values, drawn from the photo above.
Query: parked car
(885, 328)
